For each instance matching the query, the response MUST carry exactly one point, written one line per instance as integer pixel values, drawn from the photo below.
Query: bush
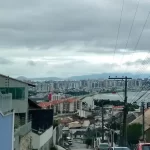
(88, 141)
(55, 123)
(53, 148)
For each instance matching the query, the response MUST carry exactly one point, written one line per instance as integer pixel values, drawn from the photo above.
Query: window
(17, 92)
(145, 147)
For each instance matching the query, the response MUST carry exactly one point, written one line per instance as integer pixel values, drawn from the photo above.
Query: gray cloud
(31, 63)
(4, 61)
(143, 62)
(68, 23)
(80, 67)
(58, 35)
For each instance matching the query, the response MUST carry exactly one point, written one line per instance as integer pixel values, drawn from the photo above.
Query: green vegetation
(53, 148)
(73, 93)
(55, 123)
(131, 107)
(134, 132)
(88, 142)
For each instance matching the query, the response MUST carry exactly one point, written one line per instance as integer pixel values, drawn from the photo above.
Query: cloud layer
(68, 37)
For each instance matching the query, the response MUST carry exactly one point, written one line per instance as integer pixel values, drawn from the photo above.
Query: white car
(69, 140)
(120, 148)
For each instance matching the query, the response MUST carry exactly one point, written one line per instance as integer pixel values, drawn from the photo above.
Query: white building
(42, 140)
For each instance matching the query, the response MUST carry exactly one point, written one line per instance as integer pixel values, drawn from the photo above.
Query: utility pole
(143, 120)
(102, 112)
(124, 133)
(102, 123)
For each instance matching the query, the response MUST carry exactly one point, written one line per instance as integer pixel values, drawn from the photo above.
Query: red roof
(71, 100)
(50, 103)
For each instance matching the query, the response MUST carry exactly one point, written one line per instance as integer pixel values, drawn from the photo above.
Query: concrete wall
(54, 136)
(83, 113)
(5, 102)
(40, 140)
(71, 107)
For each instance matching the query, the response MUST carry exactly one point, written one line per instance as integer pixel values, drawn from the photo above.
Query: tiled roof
(140, 119)
(54, 102)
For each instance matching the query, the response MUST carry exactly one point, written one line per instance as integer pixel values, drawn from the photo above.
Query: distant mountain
(85, 77)
(46, 79)
(22, 78)
(106, 76)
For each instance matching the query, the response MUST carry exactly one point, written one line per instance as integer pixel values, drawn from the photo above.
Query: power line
(141, 96)
(118, 29)
(139, 38)
(137, 93)
(131, 28)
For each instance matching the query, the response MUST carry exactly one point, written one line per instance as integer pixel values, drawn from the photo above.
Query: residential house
(19, 92)
(42, 128)
(147, 123)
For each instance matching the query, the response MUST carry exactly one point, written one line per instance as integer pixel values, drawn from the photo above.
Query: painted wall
(5, 102)
(71, 107)
(54, 136)
(6, 131)
(83, 113)
(40, 140)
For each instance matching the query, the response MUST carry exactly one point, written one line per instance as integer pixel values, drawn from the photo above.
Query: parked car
(104, 146)
(120, 148)
(69, 140)
(143, 146)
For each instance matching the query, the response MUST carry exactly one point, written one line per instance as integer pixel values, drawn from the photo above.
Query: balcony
(23, 130)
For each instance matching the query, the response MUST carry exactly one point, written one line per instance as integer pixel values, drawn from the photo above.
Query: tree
(131, 107)
(134, 132)
(88, 142)
(53, 148)
(55, 123)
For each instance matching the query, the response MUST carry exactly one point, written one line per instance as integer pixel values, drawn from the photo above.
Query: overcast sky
(41, 38)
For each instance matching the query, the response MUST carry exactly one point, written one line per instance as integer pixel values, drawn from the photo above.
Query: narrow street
(78, 144)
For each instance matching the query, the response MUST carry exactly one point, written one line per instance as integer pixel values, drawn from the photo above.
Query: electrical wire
(118, 30)
(137, 93)
(140, 97)
(139, 38)
(135, 48)
(131, 29)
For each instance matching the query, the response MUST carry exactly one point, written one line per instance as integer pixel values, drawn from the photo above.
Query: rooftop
(147, 119)
(30, 84)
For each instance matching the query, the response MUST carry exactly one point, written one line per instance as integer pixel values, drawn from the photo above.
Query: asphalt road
(78, 144)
